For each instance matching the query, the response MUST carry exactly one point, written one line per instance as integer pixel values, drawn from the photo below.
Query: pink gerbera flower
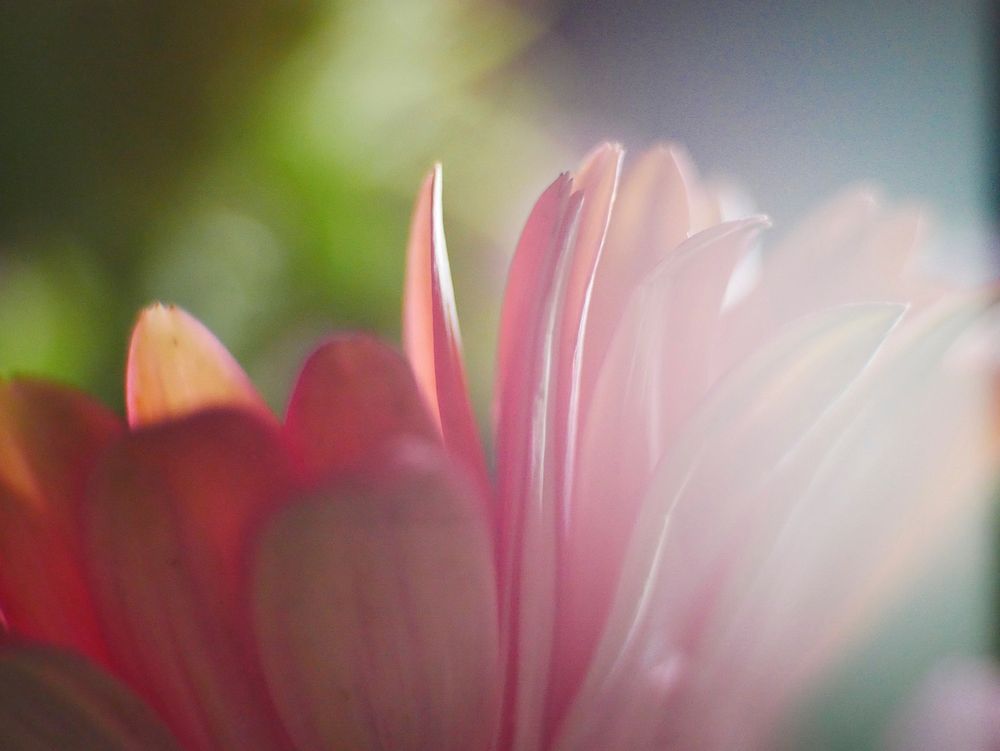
(703, 490)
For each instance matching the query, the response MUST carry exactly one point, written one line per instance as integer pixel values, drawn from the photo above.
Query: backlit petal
(176, 366)
(822, 559)
(652, 216)
(655, 376)
(353, 397)
(694, 507)
(375, 608)
(171, 510)
(527, 519)
(50, 440)
(431, 334)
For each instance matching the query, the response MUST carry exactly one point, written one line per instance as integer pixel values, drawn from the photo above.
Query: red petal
(431, 336)
(172, 507)
(353, 397)
(176, 366)
(50, 438)
(376, 613)
(55, 700)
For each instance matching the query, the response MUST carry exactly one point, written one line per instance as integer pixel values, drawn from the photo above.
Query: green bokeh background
(254, 162)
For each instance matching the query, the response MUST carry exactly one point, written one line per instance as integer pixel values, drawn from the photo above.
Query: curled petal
(56, 700)
(50, 439)
(375, 610)
(431, 335)
(176, 366)
(353, 397)
(171, 509)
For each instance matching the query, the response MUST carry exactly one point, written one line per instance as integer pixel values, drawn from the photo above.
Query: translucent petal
(176, 366)
(172, 509)
(526, 453)
(50, 440)
(886, 482)
(652, 216)
(375, 609)
(353, 397)
(431, 334)
(751, 421)
(526, 522)
(655, 376)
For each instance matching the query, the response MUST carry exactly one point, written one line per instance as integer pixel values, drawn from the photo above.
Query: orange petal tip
(176, 366)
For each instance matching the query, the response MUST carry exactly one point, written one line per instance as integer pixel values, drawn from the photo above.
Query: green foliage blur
(253, 161)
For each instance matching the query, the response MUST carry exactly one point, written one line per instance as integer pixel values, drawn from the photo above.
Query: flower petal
(353, 397)
(525, 452)
(597, 183)
(527, 286)
(375, 609)
(755, 417)
(654, 378)
(874, 498)
(50, 439)
(652, 216)
(821, 263)
(171, 510)
(431, 335)
(56, 700)
(176, 366)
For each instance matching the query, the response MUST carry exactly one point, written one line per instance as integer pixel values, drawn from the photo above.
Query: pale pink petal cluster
(714, 465)
(702, 496)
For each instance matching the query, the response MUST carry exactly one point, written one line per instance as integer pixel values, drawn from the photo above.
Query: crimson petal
(171, 508)
(354, 396)
(50, 438)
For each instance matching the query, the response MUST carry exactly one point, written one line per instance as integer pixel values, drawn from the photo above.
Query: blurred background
(255, 161)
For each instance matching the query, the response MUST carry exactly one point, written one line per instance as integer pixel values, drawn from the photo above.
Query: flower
(702, 492)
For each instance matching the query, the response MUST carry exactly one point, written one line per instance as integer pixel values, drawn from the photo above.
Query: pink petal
(814, 267)
(172, 508)
(375, 609)
(50, 439)
(886, 485)
(652, 216)
(693, 509)
(56, 700)
(176, 367)
(597, 183)
(354, 397)
(554, 391)
(655, 375)
(527, 285)
(431, 335)
(527, 516)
